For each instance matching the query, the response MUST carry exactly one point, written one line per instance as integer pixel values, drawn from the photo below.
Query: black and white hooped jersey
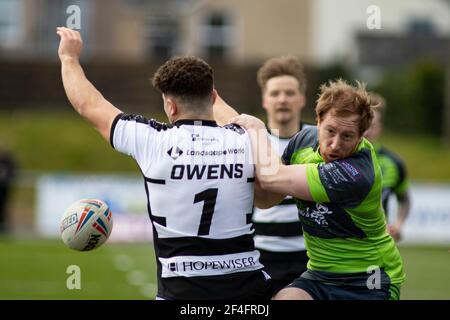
(199, 183)
(278, 229)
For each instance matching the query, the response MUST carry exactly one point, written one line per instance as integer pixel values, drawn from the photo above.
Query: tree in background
(415, 98)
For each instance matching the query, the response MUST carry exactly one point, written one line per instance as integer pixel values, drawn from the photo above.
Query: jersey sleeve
(307, 137)
(290, 149)
(346, 182)
(132, 135)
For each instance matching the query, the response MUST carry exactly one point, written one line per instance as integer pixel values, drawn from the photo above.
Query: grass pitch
(36, 269)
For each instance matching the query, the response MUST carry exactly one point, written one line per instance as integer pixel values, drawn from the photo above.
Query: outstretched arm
(222, 111)
(273, 176)
(83, 96)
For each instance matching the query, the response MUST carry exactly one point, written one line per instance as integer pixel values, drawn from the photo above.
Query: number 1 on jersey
(209, 196)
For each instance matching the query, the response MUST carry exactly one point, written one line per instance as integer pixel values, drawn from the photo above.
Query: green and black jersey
(395, 179)
(344, 227)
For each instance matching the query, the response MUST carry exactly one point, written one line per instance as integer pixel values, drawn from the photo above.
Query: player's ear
(263, 101)
(214, 96)
(303, 101)
(172, 107)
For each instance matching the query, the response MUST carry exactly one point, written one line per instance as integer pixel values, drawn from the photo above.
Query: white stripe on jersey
(195, 266)
(278, 214)
(279, 244)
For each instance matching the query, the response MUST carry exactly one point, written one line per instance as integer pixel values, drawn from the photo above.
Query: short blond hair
(343, 99)
(288, 65)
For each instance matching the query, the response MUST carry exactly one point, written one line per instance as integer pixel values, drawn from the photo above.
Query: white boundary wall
(125, 196)
(429, 220)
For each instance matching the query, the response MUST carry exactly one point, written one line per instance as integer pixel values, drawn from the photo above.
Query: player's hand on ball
(70, 45)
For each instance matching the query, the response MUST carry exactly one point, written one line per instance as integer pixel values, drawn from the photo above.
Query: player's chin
(283, 117)
(331, 157)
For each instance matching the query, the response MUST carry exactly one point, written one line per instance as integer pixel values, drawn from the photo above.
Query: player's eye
(348, 137)
(290, 93)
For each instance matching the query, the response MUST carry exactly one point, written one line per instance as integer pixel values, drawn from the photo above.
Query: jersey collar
(284, 138)
(195, 122)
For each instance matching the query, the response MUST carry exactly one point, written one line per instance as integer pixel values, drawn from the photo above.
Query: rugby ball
(86, 224)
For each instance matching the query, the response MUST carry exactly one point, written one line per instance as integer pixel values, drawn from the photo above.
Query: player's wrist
(69, 59)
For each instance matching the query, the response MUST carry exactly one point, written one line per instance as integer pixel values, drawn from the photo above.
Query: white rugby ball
(86, 224)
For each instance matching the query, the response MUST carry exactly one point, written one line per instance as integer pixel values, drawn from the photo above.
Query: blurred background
(50, 157)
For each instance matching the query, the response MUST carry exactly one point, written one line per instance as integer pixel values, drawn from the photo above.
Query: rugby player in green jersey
(333, 173)
(393, 169)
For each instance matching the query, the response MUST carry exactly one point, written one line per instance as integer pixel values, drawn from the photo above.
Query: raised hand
(70, 45)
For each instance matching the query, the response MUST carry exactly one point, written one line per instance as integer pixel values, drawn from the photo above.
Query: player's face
(282, 99)
(338, 136)
(375, 129)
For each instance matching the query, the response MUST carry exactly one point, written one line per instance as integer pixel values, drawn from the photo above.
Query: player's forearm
(266, 199)
(79, 90)
(273, 176)
(222, 111)
(267, 162)
(404, 206)
(288, 180)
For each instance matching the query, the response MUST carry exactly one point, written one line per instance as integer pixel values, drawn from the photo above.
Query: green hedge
(63, 141)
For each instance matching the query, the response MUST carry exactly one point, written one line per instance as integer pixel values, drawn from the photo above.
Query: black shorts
(283, 267)
(322, 291)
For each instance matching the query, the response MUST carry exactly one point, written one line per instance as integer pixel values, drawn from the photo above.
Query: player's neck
(286, 130)
(209, 116)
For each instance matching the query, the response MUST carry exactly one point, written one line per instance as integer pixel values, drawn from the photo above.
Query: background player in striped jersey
(199, 178)
(395, 178)
(278, 232)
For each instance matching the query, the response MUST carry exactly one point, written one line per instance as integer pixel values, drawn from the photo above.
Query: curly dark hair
(288, 65)
(187, 79)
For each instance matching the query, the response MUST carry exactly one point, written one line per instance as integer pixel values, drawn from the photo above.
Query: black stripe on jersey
(249, 217)
(159, 220)
(286, 202)
(113, 126)
(199, 246)
(278, 229)
(235, 128)
(148, 197)
(158, 126)
(155, 181)
(297, 258)
(251, 179)
(250, 285)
